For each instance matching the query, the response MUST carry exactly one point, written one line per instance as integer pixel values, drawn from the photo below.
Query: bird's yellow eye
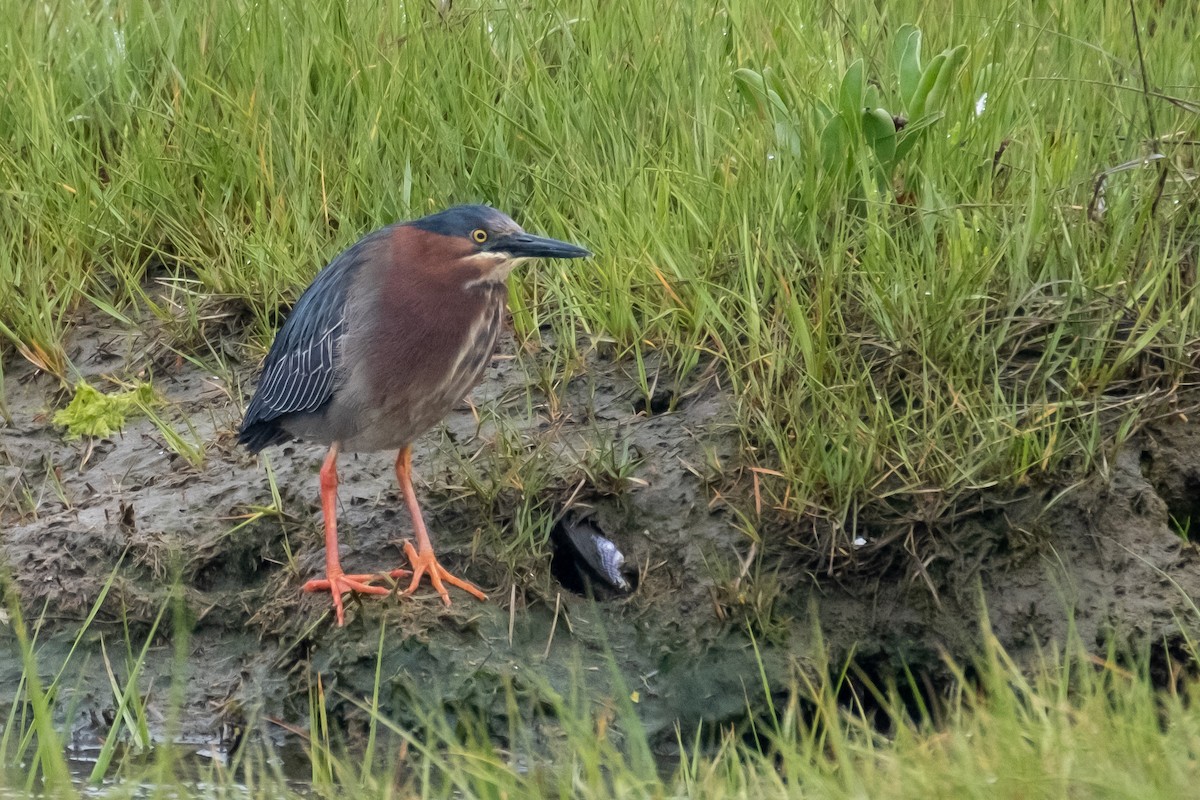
(479, 235)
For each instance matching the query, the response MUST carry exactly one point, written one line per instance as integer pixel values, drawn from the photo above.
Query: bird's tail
(257, 434)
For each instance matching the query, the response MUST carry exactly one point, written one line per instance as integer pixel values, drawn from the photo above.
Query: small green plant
(610, 461)
(1182, 527)
(856, 115)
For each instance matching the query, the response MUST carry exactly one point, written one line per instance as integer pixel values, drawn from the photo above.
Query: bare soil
(1104, 554)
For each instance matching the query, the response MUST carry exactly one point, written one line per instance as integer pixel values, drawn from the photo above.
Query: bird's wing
(300, 370)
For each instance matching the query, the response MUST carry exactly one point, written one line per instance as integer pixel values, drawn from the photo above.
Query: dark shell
(594, 550)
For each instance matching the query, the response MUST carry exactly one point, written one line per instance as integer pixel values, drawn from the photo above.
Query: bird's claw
(425, 562)
(339, 583)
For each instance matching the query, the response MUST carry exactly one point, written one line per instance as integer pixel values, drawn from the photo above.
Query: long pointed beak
(526, 245)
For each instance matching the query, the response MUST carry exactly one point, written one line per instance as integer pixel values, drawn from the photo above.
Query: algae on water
(94, 413)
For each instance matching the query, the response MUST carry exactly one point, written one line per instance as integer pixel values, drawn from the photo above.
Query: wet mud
(129, 520)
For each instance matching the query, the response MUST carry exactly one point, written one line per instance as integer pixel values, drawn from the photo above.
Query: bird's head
(490, 242)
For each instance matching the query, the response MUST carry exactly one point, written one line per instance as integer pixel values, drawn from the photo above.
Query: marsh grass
(988, 312)
(1076, 724)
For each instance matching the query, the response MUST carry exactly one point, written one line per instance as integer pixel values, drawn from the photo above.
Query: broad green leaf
(852, 89)
(787, 137)
(824, 111)
(775, 84)
(928, 78)
(871, 98)
(755, 87)
(880, 132)
(906, 61)
(834, 143)
(946, 77)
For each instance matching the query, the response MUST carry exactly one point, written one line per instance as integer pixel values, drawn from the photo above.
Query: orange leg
(421, 557)
(337, 582)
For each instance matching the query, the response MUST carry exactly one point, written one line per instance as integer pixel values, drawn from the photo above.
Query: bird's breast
(474, 352)
(415, 369)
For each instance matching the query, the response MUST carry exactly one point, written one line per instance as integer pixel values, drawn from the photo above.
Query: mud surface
(128, 519)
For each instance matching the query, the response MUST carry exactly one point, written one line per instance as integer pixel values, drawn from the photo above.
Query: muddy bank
(129, 517)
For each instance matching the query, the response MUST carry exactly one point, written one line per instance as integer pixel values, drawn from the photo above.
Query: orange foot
(425, 561)
(338, 583)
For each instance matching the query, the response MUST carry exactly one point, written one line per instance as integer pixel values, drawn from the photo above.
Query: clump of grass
(1076, 723)
(30, 735)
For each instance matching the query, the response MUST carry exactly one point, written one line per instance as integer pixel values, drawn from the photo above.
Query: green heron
(390, 336)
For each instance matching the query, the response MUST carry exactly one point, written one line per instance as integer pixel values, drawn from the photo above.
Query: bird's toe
(424, 562)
